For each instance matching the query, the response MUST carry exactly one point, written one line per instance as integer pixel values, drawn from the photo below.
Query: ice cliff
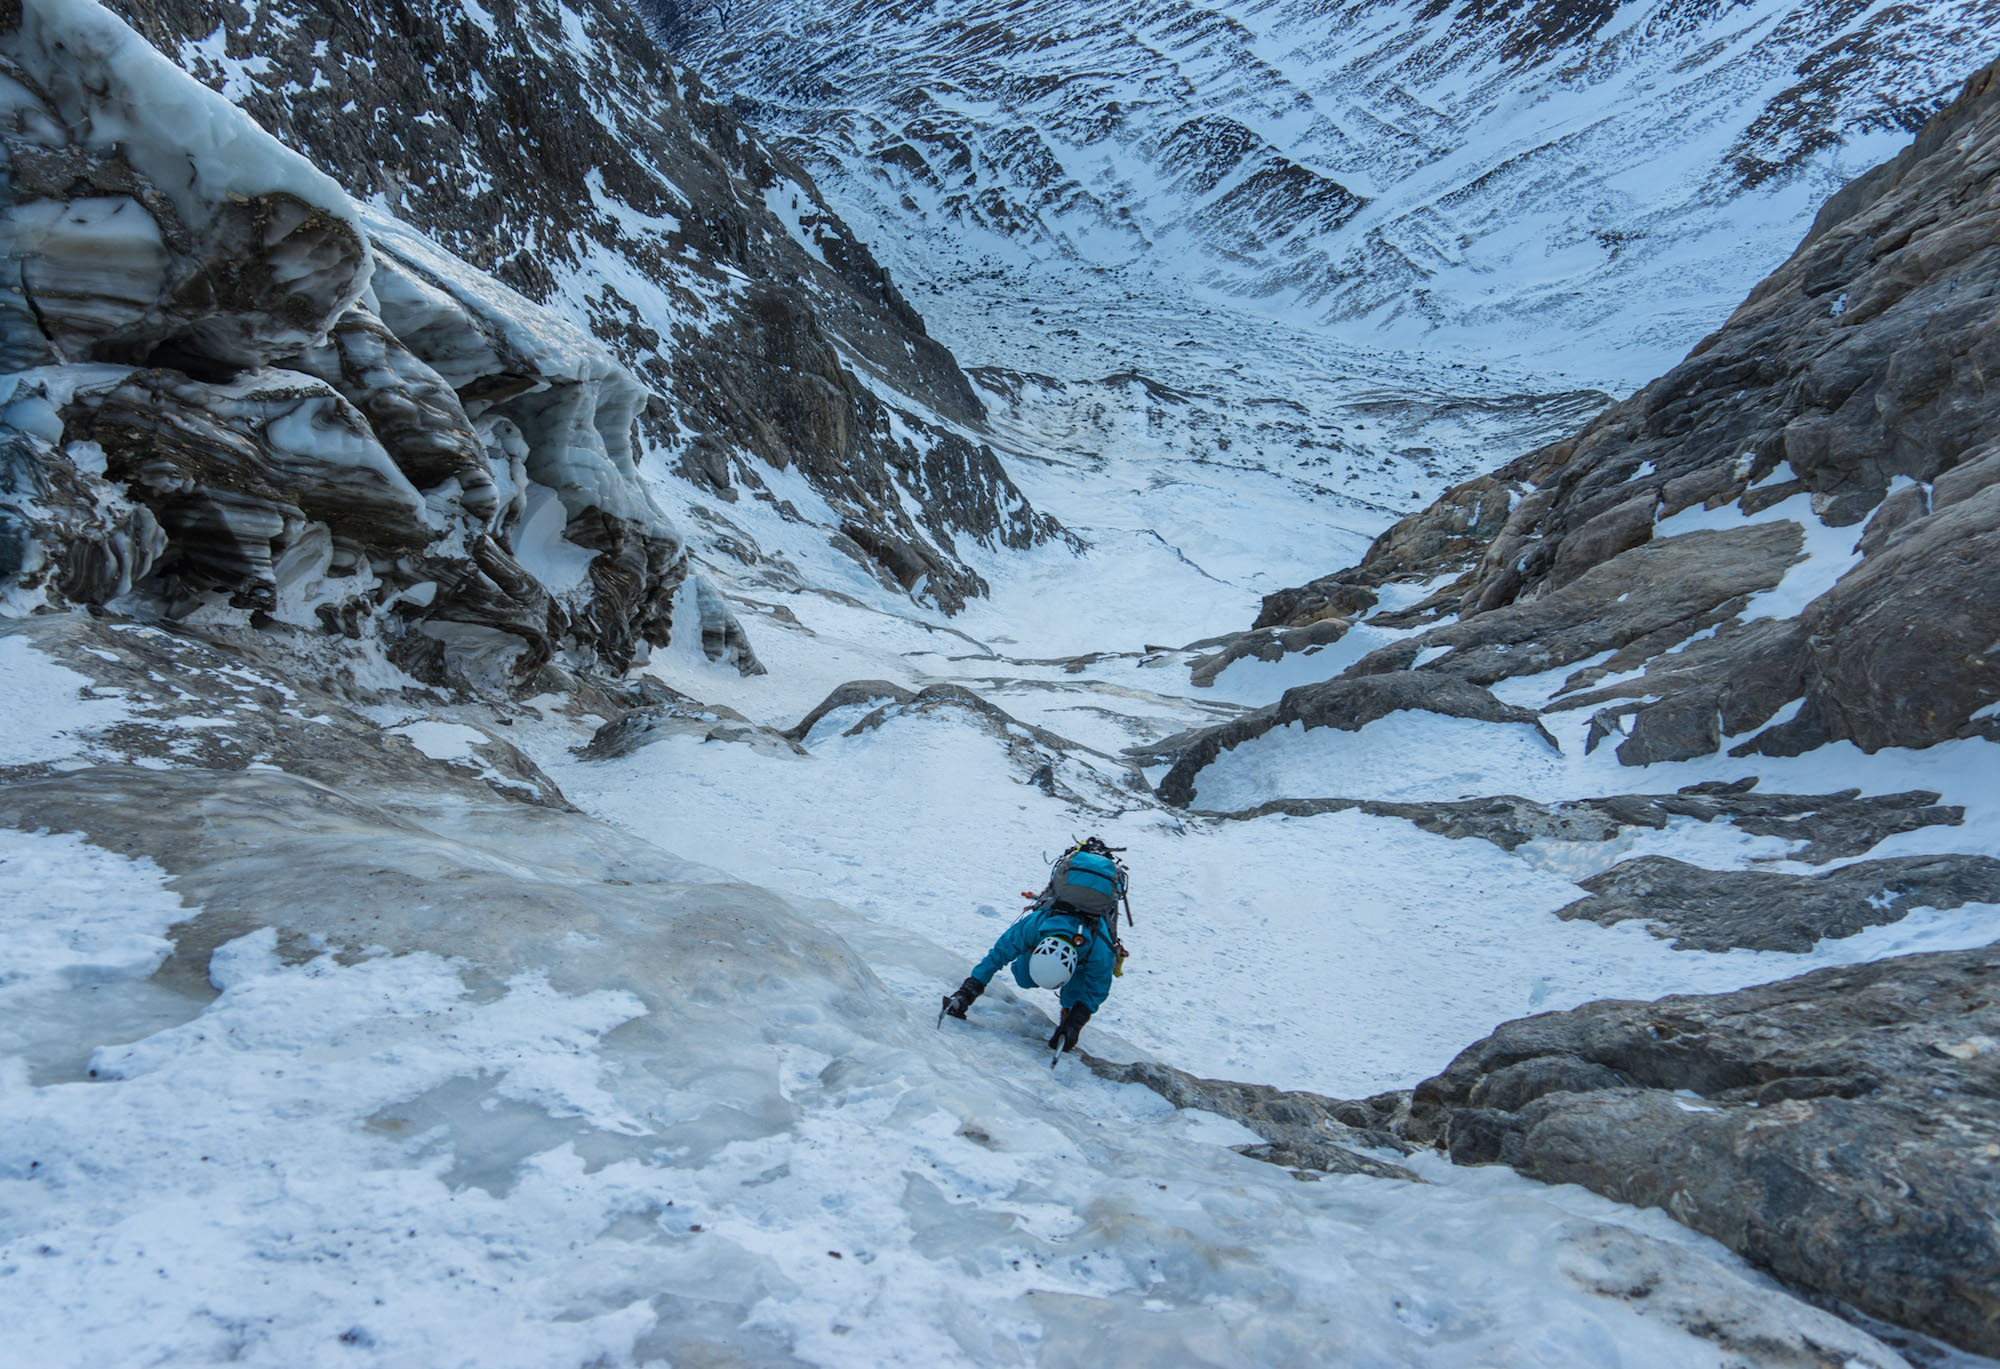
(795, 403)
(232, 388)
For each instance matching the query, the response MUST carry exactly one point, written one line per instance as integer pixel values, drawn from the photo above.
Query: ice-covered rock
(232, 388)
(414, 412)
(323, 1038)
(147, 213)
(556, 146)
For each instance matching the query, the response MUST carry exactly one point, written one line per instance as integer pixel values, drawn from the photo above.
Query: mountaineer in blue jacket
(1067, 940)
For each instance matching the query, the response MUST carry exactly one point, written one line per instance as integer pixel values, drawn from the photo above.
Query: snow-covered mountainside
(431, 935)
(1584, 185)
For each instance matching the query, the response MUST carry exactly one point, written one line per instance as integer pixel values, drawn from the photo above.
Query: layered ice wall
(231, 393)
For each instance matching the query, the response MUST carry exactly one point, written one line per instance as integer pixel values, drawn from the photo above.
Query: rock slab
(1841, 1129)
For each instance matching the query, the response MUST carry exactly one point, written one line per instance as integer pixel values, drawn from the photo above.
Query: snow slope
(336, 1038)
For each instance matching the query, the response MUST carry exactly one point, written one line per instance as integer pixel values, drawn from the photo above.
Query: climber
(1067, 940)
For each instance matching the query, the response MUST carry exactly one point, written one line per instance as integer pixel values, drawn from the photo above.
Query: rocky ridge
(1848, 392)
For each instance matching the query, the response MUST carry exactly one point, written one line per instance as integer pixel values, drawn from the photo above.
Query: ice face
(573, 403)
(298, 388)
(90, 269)
(228, 205)
(551, 1094)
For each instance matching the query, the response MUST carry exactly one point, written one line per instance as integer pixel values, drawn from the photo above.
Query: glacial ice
(89, 269)
(317, 424)
(241, 205)
(578, 408)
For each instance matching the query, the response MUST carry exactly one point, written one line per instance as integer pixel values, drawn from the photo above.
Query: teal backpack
(1088, 880)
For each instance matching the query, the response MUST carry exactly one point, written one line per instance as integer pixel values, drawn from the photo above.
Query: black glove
(1072, 1022)
(958, 1002)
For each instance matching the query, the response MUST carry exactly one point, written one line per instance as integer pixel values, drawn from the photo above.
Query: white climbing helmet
(1052, 962)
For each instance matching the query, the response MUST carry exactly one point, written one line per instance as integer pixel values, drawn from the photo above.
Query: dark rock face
(605, 182)
(1762, 910)
(1857, 375)
(1314, 602)
(1347, 704)
(1833, 826)
(1663, 592)
(1902, 652)
(1302, 1131)
(1838, 1128)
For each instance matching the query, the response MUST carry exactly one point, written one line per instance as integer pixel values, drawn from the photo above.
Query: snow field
(51, 703)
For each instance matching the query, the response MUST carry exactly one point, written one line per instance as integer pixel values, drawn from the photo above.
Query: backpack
(1087, 880)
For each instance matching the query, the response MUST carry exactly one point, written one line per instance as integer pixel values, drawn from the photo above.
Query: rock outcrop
(233, 389)
(1302, 1131)
(1690, 530)
(1763, 910)
(1838, 1129)
(1828, 826)
(1347, 704)
(559, 148)
(1082, 776)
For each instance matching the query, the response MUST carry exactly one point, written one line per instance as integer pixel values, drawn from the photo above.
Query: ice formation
(233, 390)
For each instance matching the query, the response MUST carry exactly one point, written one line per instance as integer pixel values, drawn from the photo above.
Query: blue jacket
(1090, 985)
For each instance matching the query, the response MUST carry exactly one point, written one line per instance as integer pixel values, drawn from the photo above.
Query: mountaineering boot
(956, 1003)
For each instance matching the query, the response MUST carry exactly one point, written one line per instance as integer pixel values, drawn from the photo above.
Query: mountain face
(402, 402)
(554, 148)
(1771, 543)
(1583, 185)
(1782, 549)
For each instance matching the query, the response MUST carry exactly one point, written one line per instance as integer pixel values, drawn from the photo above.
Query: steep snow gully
(482, 838)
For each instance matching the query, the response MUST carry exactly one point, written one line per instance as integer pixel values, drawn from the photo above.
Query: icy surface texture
(533, 1091)
(223, 400)
(247, 248)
